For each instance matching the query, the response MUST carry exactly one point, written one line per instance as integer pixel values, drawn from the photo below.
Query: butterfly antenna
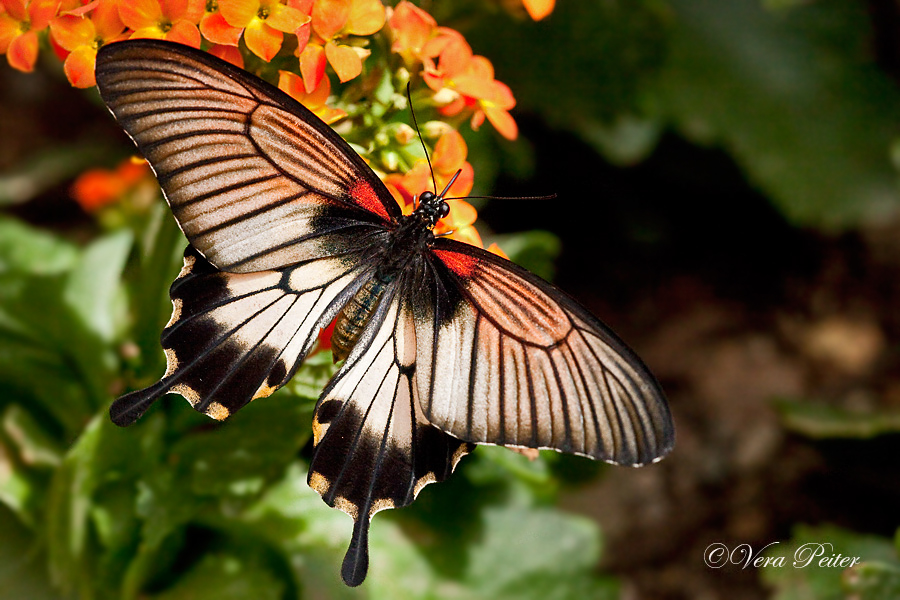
(424, 147)
(547, 197)
(449, 185)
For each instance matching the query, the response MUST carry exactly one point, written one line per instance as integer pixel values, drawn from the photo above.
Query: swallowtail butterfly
(445, 345)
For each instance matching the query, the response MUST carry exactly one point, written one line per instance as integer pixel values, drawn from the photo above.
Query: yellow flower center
(263, 12)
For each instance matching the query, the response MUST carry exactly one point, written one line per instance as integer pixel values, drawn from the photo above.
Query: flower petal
(312, 66)
(366, 17)
(538, 9)
(23, 51)
(292, 85)
(107, 21)
(497, 250)
(239, 13)
(262, 40)
(9, 29)
(184, 32)
(412, 28)
(228, 53)
(71, 32)
(286, 19)
(41, 11)
(344, 60)
(17, 9)
(150, 33)
(502, 122)
(79, 67)
(449, 152)
(329, 17)
(216, 29)
(462, 214)
(140, 14)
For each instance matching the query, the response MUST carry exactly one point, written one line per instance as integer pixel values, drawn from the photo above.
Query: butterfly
(445, 345)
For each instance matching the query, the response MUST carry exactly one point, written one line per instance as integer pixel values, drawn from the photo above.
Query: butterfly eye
(443, 210)
(426, 197)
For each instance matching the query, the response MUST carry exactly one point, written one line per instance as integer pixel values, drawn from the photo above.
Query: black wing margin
(374, 449)
(523, 364)
(233, 338)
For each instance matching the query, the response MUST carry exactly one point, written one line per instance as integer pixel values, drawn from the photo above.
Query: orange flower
(229, 54)
(411, 28)
(264, 23)
(472, 78)
(81, 36)
(450, 66)
(538, 9)
(292, 84)
(174, 20)
(449, 156)
(331, 21)
(96, 188)
(216, 29)
(20, 23)
(484, 96)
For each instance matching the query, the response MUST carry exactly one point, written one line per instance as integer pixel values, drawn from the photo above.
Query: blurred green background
(728, 202)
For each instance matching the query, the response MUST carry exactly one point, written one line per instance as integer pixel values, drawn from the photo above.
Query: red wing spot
(461, 264)
(363, 194)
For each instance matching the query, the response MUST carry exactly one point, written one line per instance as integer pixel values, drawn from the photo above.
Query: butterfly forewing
(255, 181)
(506, 358)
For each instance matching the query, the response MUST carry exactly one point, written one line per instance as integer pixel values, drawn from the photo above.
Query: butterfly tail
(130, 407)
(356, 561)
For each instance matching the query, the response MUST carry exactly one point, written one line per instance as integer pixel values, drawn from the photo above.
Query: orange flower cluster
(462, 79)
(97, 188)
(326, 36)
(328, 33)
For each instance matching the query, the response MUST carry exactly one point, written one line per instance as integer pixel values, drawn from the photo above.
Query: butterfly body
(445, 345)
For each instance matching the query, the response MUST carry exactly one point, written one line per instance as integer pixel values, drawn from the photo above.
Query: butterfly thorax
(408, 241)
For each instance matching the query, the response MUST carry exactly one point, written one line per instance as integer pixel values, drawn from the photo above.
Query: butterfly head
(433, 207)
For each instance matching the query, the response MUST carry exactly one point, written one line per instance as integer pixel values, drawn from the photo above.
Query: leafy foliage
(181, 507)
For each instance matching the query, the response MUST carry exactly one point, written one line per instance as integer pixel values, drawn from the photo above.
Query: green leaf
(48, 359)
(161, 246)
(807, 574)
(88, 520)
(794, 97)
(35, 446)
(93, 289)
(225, 577)
(30, 250)
(873, 581)
(817, 420)
(23, 568)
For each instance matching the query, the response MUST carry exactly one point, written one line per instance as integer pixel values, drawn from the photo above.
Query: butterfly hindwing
(374, 448)
(506, 358)
(254, 179)
(234, 337)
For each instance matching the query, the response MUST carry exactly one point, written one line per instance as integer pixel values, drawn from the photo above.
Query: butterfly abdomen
(353, 317)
